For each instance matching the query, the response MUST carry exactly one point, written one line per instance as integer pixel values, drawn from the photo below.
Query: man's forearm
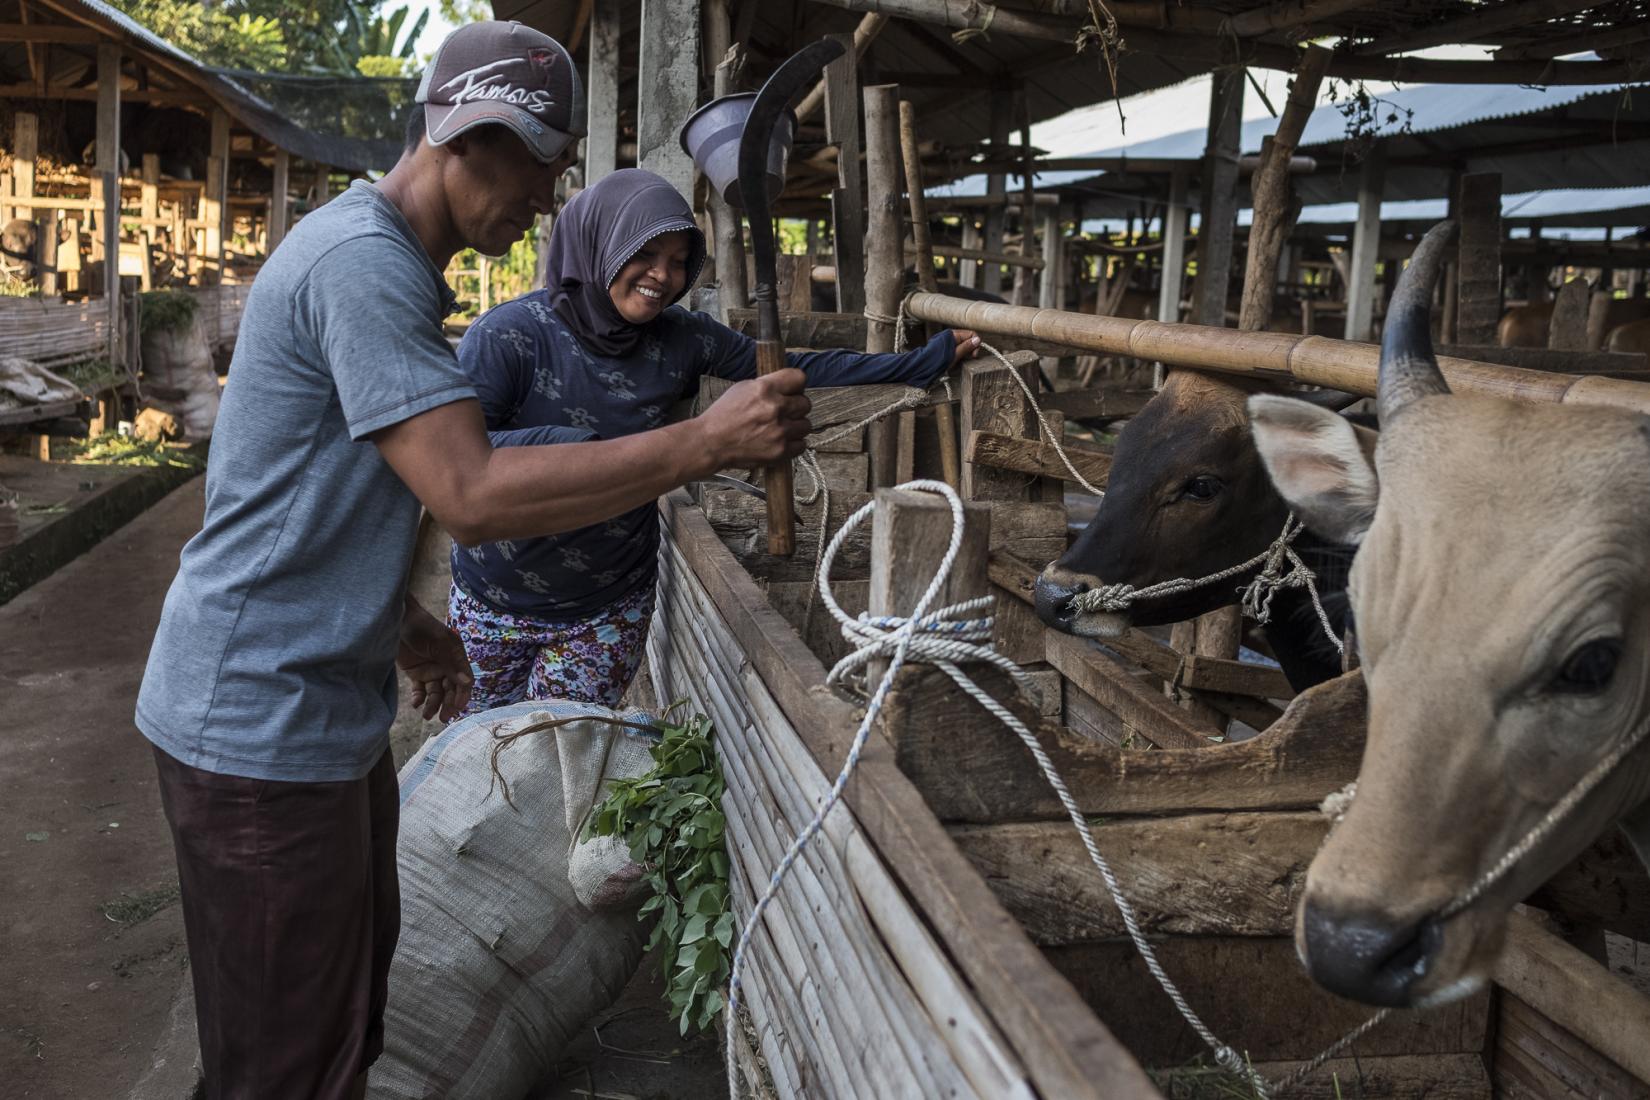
(523, 492)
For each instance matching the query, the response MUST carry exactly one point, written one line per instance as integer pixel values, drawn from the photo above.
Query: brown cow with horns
(1502, 593)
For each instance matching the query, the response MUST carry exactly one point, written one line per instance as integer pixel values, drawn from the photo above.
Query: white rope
(1048, 432)
(1281, 567)
(943, 638)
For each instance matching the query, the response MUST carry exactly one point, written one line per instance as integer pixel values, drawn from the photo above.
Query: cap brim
(443, 123)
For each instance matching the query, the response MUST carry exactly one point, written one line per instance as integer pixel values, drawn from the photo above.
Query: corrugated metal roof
(1530, 135)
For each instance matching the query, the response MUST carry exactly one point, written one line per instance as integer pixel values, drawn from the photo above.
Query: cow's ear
(1319, 464)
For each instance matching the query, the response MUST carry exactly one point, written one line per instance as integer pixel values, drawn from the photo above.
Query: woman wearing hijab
(604, 351)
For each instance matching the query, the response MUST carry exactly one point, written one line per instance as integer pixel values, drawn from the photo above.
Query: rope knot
(1281, 568)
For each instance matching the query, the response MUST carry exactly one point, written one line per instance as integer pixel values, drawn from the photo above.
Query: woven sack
(500, 962)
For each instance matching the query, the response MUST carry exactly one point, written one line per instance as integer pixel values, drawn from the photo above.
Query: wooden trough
(947, 936)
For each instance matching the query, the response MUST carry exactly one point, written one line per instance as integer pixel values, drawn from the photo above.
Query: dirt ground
(91, 938)
(93, 970)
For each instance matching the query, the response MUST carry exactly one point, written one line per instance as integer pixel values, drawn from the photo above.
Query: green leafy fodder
(113, 449)
(672, 819)
(165, 310)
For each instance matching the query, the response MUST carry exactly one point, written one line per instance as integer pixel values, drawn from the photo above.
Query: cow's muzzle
(1366, 956)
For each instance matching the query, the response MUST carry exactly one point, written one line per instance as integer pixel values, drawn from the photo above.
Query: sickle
(799, 71)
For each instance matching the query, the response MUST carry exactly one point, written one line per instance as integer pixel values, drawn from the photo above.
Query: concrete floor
(91, 937)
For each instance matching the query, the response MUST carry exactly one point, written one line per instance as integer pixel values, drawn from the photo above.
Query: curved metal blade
(799, 71)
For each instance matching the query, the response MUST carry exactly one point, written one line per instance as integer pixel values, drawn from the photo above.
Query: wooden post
(48, 255)
(1567, 330)
(910, 533)
(730, 230)
(323, 184)
(1028, 207)
(847, 197)
(1598, 314)
(1176, 216)
(1048, 286)
(1478, 310)
(1366, 246)
(108, 171)
(993, 402)
(669, 82)
(1220, 185)
(944, 420)
(1274, 206)
(885, 258)
(25, 146)
(972, 241)
(150, 204)
(601, 146)
(277, 199)
(996, 190)
(214, 209)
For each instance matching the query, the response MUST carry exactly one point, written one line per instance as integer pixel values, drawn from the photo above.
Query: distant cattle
(20, 248)
(1633, 337)
(1527, 326)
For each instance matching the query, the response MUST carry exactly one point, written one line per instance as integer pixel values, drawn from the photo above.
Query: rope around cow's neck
(944, 638)
(1280, 567)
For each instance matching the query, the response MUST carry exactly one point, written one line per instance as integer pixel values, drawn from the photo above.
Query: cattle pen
(946, 934)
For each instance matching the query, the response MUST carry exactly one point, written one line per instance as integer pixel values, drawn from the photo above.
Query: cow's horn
(1408, 368)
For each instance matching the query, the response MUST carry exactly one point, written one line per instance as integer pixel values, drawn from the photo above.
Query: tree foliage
(295, 36)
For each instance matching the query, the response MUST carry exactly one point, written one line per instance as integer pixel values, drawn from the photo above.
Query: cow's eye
(1589, 669)
(1202, 487)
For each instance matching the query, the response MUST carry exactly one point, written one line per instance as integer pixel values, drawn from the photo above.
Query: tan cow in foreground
(1501, 592)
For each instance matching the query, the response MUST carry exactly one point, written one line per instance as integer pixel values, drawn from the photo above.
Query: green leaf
(695, 930)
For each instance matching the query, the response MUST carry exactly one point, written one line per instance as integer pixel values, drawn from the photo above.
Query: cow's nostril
(1367, 958)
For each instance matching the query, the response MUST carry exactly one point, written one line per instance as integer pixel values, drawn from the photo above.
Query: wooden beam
(669, 77)
(1029, 456)
(1576, 43)
(108, 170)
(1292, 13)
(62, 34)
(157, 97)
(1482, 21)
(1576, 993)
(1219, 50)
(1176, 216)
(601, 146)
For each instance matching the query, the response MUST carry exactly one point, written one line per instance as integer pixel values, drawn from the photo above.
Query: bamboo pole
(944, 419)
(1280, 356)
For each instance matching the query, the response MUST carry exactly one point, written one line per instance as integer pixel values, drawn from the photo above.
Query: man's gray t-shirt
(275, 657)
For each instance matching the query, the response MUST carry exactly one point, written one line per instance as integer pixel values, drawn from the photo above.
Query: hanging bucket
(711, 137)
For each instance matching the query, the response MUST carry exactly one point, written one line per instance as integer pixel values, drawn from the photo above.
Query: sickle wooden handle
(770, 357)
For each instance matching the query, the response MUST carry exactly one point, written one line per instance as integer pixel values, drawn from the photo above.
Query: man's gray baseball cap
(506, 74)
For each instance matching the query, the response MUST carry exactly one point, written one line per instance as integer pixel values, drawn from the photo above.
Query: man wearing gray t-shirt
(271, 682)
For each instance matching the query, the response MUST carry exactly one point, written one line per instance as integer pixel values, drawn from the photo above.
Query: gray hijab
(598, 232)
